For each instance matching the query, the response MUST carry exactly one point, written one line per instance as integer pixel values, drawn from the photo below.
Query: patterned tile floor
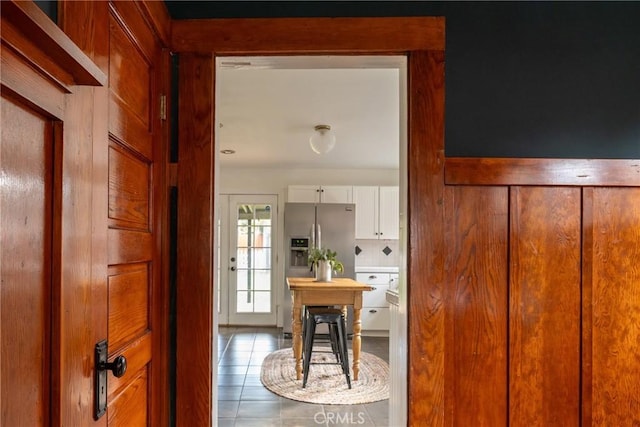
(243, 401)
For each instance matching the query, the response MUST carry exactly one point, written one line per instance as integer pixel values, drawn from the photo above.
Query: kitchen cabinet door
(366, 201)
(336, 194)
(320, 194)
(375, 308)
(303, 193)
(377, 212)
(389, 214)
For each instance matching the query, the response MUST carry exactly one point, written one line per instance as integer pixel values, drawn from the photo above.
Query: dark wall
(523, 79)
(50, 7)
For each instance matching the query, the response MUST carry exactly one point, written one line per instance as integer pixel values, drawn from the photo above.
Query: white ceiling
(267, 107)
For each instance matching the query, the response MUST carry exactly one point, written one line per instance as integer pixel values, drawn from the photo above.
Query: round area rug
(326, 384)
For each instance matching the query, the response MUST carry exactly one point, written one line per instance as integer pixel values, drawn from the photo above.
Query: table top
(338, 283)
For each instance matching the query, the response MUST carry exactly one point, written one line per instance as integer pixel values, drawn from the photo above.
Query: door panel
(133, 274)
(128, 303)
(130, 408)
(26, 149)
(129, 187)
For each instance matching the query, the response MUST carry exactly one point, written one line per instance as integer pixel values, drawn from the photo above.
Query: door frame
(422, 40)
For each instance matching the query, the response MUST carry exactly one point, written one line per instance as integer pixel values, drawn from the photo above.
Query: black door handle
(118, 367)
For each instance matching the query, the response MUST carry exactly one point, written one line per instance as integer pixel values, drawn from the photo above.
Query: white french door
(248, 230)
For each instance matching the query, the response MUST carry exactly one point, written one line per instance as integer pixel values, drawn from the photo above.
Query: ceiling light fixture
(323, 140)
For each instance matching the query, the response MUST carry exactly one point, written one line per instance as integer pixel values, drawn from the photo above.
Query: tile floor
(243, 401)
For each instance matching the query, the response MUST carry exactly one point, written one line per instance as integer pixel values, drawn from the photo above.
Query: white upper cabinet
(320, 193)
(377, 212)
(389, 217)
(366, 201)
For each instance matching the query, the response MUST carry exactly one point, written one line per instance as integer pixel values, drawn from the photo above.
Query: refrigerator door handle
(313, 236)
(319, 237)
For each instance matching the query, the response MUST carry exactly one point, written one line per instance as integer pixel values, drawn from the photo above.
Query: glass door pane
(252, 256)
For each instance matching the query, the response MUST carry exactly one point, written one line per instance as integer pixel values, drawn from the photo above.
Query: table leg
(357, 328)
(296, 321)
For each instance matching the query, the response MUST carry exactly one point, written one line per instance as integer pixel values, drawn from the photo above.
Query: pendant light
(323, 140)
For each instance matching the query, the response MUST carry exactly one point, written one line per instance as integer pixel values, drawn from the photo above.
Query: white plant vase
(323, 271)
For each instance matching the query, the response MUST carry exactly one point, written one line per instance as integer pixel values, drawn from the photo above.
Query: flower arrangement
(323, 262)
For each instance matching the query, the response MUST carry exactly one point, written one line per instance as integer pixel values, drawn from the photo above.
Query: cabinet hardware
(373, 311)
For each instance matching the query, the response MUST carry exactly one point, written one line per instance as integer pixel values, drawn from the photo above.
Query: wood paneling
(426, 254)
(195, 241)
(138, 354)
(26, 252)
(44, 67)
(545, 299)
(129, 75)
(129, 189)
(611, 306)
(133, 19)
(302, 35)
(477, 308)
(130, 408)
(84, 277)
(128, 303)
(576, 172)
(158, 16)
(130, 84)
(126, 246)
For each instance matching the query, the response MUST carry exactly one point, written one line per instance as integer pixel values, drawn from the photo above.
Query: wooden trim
(425, 233)
(422, 39)
(160, 374)
(157, 15)
(52, 41)
(306, 35)
(512, 171)
(194, 309)
(20, 80)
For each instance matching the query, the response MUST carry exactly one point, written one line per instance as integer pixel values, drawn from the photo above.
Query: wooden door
(26, 254)
(80, 202)
(134, 205)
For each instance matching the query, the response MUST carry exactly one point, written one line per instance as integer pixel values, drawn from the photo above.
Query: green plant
(316, 255)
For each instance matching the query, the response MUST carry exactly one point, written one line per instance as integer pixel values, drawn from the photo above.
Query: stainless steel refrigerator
(322, 225)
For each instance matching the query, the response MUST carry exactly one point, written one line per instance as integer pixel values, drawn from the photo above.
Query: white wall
(275, 181)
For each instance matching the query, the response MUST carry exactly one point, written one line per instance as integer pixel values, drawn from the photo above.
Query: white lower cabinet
(375, 308)
(375, 319)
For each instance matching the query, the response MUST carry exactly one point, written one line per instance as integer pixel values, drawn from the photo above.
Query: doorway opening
(256, 153)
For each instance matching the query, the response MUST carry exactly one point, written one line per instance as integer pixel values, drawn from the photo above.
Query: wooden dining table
(306, 291)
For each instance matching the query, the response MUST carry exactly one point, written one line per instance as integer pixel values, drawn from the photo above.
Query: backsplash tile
(377, 253)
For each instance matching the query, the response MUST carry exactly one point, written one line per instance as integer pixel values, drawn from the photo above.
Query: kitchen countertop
(361, 269)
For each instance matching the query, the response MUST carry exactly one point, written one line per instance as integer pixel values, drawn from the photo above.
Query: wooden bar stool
(335, 319)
